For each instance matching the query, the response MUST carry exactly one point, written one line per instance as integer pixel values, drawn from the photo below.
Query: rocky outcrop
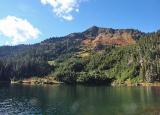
(107, 36)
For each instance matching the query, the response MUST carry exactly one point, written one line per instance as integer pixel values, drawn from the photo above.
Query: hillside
(97, 55)
(93, 36)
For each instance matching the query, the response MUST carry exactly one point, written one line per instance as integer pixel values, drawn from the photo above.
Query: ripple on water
(19, 107)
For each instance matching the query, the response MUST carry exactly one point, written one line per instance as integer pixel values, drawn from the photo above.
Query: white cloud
(19, 30)
(64, 8)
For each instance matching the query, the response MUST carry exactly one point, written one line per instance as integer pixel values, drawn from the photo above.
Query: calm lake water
(79, 100)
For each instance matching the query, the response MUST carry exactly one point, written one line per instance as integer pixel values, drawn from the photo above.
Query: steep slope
(107, 36)
(93, 36)
(23, 61)
(131, 64)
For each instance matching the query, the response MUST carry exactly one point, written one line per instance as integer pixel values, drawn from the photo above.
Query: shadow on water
(5, 84)
(79, 100)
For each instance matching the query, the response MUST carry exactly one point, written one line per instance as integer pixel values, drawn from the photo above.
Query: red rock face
(87, 42)
(120, 39)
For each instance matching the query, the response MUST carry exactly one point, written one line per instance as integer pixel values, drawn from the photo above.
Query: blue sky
(47, 18)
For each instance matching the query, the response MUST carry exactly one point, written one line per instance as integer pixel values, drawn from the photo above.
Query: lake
(78, 100)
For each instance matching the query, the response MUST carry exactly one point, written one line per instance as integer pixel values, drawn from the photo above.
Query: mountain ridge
(94, 31)
(91, 37)
(96, 55)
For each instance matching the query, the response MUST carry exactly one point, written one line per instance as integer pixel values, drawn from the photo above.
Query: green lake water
(78, 100)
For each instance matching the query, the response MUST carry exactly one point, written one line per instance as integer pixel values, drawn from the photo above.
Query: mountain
(107, 36)
(96, 55)
(93, 36)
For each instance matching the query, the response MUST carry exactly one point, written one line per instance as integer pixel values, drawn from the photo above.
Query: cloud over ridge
(63, 8)
(19, 30)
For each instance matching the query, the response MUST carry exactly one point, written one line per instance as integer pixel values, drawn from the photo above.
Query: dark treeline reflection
(79, 100)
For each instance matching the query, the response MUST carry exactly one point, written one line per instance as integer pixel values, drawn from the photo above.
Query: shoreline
(37, 81)
(142, 84)
(52, 81)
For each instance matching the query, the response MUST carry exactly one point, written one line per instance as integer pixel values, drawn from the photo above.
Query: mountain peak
(91, 32)
(93, 28)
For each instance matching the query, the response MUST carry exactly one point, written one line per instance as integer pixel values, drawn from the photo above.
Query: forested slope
(133, 63)
(97, 55)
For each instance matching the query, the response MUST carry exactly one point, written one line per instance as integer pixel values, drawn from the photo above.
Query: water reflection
(79, 100)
